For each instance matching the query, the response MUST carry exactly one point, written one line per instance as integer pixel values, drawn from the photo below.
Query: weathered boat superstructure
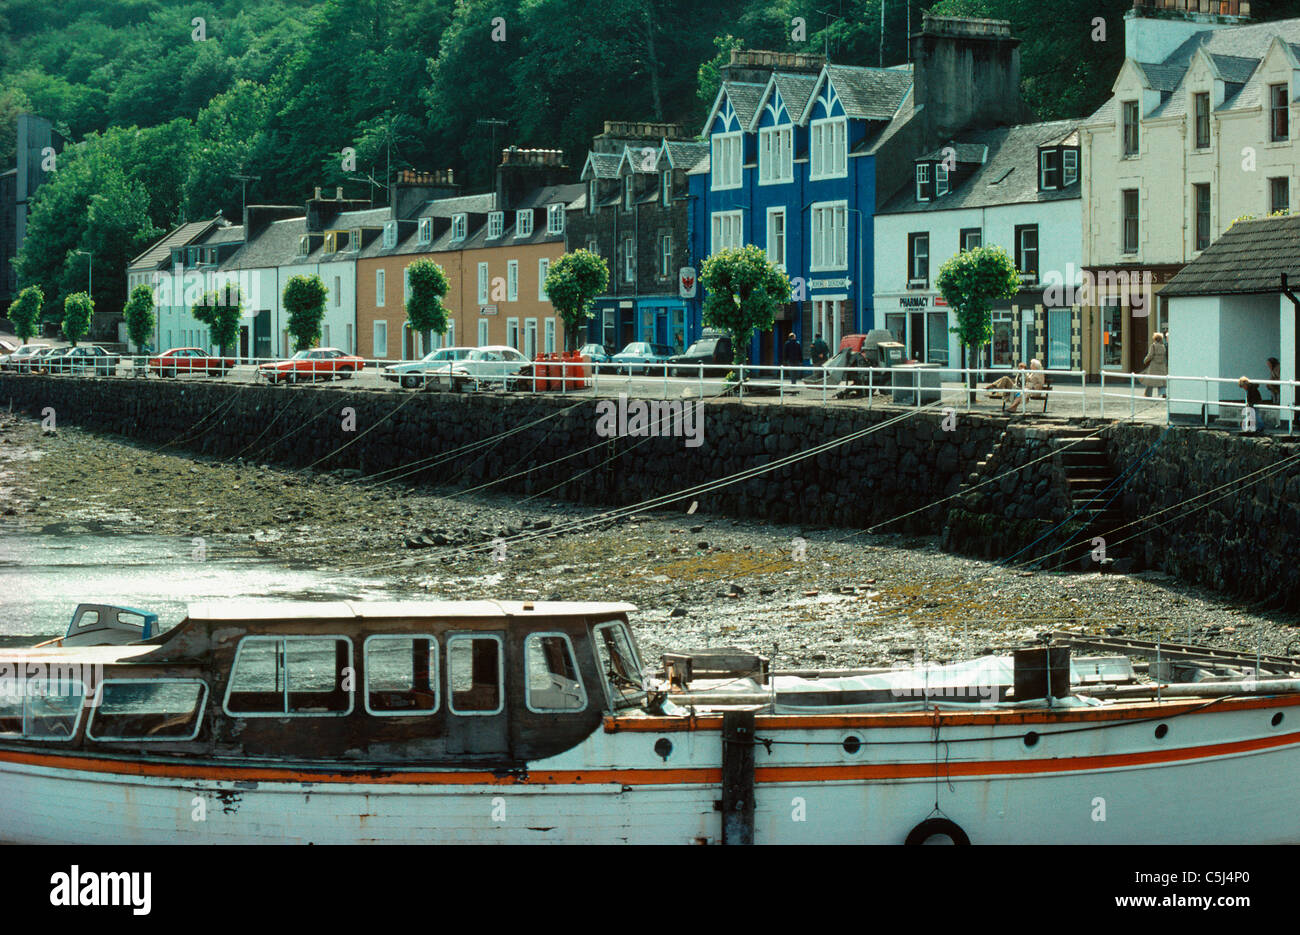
(533, 722)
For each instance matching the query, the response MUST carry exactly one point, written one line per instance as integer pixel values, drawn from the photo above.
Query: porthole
(663, 747)
(852, 744)
(1277, 719)
(1161, 730)
(1031, 738)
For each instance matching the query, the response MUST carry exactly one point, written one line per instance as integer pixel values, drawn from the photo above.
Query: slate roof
(796, 89)
(686, 156)
(963, 152)
(870, 93)
(744, 97)
(276, 245)
(160, 252)
(602, 165)
(1236, 51)
(1248, 258)
(1010, 149)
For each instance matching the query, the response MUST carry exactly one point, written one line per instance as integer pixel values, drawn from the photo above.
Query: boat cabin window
(474, 673)
(41, 709)
(401, 674)
(147, 709)
(619, 665)
(552, 674)
(275, 676)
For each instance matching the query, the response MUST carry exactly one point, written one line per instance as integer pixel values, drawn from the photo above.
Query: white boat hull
(1221, 774)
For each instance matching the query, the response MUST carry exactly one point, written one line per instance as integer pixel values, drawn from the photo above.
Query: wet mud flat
(811, 596)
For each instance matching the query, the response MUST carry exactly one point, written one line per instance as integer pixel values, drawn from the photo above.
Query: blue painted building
(803, 152)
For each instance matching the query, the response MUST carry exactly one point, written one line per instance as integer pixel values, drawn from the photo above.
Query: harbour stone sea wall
(1245, 543)
(892, 471)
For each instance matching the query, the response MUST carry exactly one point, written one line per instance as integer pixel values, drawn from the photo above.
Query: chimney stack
(1155, 28)
(966, 72)
(522, 170)
(412, 189)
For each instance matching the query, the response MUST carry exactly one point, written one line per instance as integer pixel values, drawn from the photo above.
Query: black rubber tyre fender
(936, 826)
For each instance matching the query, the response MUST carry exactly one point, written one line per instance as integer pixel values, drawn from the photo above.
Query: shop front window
(1001, 345)
(936, 351)
(1058, 339)
(896, 323)
(1112, 337)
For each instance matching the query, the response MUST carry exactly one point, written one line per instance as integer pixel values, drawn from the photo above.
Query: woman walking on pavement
(1156, 365)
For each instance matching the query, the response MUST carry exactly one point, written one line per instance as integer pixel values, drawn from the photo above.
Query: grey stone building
(635, 214)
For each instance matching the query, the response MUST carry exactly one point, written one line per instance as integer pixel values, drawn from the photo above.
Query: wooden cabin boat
(533, 723)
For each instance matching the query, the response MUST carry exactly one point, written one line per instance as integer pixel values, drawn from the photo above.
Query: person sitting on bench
(1036, 383)
(1003, 384)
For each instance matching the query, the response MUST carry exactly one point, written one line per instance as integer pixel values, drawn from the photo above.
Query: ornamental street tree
(744, 292)
(77, 310)
(25, 312)
(304, 300)
(424, 308)
(572, 284)
(139, 315)
(970, 282)
(221, 310)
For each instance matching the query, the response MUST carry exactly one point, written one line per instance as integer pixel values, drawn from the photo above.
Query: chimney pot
(338, 193)
(316, 196)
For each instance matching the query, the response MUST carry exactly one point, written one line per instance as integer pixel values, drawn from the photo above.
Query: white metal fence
(1064, 393)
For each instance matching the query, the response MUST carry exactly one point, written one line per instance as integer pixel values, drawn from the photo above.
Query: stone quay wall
(439, 438)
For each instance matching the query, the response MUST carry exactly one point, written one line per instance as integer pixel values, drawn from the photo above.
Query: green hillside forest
(170, 100)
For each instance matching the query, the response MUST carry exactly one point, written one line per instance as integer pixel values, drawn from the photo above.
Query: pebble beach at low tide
(813, 597)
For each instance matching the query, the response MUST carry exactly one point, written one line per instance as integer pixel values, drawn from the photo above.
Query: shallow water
(43, 576)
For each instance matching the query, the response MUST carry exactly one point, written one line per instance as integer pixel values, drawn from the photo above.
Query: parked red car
(318, 363)
(181, 360)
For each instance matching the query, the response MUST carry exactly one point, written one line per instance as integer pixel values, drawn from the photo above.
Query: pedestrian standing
(792, 355)
(819, 352)
(1156, 365)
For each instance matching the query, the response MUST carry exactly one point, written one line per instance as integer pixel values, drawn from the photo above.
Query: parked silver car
(643, 353)
(22, 356)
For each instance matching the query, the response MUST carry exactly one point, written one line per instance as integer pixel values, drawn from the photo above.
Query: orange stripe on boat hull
(641, 777)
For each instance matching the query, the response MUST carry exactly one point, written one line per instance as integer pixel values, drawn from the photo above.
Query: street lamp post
(90, 276)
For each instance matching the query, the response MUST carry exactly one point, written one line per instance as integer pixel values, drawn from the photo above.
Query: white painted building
(1013, 187)
(1200, 130)
(1231, 298)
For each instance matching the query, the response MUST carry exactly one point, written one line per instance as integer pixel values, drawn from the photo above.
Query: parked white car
(484, 366)
(415, 373)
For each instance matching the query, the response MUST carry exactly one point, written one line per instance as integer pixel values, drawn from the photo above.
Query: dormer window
(629, 190)
(459, 225)
(496, 224)
(178, 256)
(426, 232)
(1280, 112)
(1070, 160)
(828, 151)
(304, 245)
(390, 234)
(1130, 109)
(775, 154)
(524, 224)
(725, 167)
(923, 187)
(555, 219)
(1201, 109)
(940, 179)
(332, 242)
(1049, 169)
(591, 196)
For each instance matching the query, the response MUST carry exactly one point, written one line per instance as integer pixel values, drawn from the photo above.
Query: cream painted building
(1200, 130)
